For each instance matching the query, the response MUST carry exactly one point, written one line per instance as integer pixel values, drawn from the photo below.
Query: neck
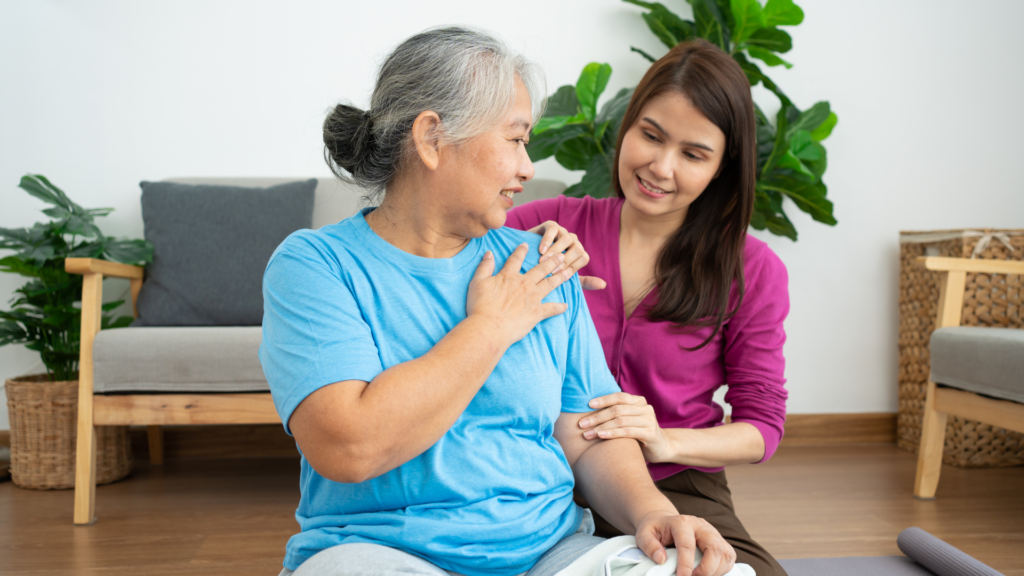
(407, 220)
(637, 228)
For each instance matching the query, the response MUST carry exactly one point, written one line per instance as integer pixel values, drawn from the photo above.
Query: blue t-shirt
(495, 492)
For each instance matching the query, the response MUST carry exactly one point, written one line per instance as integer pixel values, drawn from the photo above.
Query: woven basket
(989, 300)
(44, 430)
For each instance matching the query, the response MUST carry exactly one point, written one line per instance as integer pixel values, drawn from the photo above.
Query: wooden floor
(223, 517)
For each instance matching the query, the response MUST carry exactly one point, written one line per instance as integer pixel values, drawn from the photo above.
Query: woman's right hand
(513, 301)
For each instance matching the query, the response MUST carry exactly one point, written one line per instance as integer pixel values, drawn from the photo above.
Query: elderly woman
(436, 404)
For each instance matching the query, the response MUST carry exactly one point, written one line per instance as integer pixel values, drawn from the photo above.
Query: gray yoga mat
(939, 557)
(926, 555)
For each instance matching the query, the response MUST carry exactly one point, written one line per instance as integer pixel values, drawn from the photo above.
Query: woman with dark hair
(692, 301)
(432, 372)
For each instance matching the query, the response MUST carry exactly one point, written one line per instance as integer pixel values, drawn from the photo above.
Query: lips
(649, 189)
(507, 195)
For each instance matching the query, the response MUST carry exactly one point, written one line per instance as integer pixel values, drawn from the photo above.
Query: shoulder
(760, 261)
(503, 241)
(565, 210)
(326, 245)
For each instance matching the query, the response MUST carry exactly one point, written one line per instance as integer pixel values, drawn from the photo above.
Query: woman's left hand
(623, 415)
(556, 240)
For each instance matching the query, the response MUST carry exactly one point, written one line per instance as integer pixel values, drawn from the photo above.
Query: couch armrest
(940, 264)
(85, 266)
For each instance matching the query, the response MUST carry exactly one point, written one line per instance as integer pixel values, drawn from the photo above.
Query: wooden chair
(941, 401)
(157, 407)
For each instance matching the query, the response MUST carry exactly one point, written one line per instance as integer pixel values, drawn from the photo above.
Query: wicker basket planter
(989, 300)
(44, 430)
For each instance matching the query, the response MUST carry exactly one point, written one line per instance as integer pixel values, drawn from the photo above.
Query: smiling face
(484, 173)
(669, 156)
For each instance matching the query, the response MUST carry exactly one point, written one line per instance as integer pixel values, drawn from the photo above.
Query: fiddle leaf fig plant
(791, 157)
(43, 313)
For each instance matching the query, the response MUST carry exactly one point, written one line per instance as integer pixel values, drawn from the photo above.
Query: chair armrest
(940, 264)
(85, 266)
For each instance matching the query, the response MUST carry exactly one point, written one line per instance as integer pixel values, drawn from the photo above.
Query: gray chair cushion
(211, 246)
(179, 359)
(987, 361)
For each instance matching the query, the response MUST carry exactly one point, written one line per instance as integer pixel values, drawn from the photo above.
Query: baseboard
(270, 440)
(832, 429)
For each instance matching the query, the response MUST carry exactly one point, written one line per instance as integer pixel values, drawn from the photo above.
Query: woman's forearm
(734, 443)
(614, 480)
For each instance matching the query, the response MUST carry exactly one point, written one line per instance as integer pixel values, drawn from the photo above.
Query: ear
(425, 130)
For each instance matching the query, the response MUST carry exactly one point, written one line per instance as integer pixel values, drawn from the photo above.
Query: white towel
(621, 557)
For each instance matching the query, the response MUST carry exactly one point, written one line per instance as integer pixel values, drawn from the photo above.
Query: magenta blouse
(648, 358)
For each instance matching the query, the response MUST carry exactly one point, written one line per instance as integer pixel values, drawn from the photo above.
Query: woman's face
(488, 170)
(668, 156)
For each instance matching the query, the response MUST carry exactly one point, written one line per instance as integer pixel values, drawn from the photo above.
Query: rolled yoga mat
(939, 557)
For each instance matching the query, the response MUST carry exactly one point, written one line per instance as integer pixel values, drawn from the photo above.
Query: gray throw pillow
(211, 246)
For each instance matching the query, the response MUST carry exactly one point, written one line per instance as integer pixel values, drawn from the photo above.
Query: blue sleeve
(586, 374)
(313, 329)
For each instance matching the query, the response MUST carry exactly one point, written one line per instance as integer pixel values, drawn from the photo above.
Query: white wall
(103, 94)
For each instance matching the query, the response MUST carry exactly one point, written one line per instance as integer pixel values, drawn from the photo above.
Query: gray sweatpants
(377, 560)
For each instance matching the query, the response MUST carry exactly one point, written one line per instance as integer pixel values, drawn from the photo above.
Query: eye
(650, 136)
(692, 156)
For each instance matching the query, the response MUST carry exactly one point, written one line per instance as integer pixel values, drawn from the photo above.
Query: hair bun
(348, 139)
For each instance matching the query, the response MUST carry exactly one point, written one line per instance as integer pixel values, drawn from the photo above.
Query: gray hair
(467, 77)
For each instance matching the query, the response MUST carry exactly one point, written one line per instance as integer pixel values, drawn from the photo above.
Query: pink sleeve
(754, 364)
(533, 213)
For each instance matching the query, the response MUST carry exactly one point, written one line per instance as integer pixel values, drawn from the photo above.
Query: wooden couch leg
(156, 444)
(929, 457)
(85, 472)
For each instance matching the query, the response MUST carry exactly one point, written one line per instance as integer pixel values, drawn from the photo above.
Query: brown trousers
(706, 496)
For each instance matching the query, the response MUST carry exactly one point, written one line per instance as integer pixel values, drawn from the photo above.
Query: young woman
(436, 403)
(692, 302)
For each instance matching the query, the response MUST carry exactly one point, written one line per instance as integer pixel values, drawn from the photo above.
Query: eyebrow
(663, 131)
(520, 122)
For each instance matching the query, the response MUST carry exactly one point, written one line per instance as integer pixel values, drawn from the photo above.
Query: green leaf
(546, 143)
(754, 75)
(574, 191)
(642, 53)
(597, 182)
(791, 162)
(555, 122)
(748, 17)
(771, 39)
(782, 13)
(810, 119)
(128, 251)
(808, 197)
(711, 25)
(563, 102)
(658, 27)
(767, 57)
(576, 154)
(590, 85)
(825, 128)
(615, 108)
(804, 147)
(817, 167)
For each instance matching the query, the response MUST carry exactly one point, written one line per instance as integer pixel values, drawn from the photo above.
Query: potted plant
(43, 408)
(791, 157)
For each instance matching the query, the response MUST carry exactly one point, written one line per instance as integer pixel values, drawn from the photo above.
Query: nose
(526, 170)
(661, 166)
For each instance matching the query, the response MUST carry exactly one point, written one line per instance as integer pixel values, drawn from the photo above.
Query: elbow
(346, 462)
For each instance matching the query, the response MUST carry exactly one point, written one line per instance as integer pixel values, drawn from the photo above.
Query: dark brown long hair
(698, 264)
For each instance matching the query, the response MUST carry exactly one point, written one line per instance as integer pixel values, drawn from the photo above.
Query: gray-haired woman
(436, 403)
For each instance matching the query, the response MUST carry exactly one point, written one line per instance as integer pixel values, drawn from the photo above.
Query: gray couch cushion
(211, 245)
(987, 361)
(179, 359)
